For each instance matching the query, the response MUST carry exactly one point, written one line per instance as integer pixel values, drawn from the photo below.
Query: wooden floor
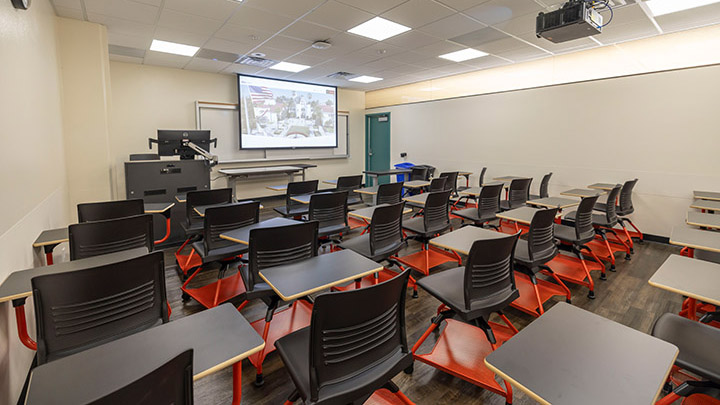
(625, 297)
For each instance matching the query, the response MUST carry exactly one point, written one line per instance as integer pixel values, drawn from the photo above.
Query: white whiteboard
(224, 123)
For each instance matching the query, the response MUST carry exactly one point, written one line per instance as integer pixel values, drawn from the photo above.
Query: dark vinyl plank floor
(625, 297)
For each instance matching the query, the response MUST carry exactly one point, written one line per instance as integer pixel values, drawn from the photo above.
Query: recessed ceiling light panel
(379, 29)
(289, 67)
(463, 55)
(365, 79)
(172, 47)
(662, 7)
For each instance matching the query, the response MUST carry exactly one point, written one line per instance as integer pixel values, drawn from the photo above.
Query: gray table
(475, 191)
(703, 220)
(367, 190)
(602, 186)
(242, 235)
(694, 278)
(581, 192)
(279, 187)
(219, 337)
(418, 199)
(695, 238)
(523, 215)
(461, 240)
(367, 212)
(263, 171)
(706, 195)
(374, 174)
(709, 205)
(571, 356)
(416, 184)
(331, 182)
(554, 202)
(319, 273)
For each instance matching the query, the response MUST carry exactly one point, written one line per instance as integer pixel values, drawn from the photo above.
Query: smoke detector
(321, 45)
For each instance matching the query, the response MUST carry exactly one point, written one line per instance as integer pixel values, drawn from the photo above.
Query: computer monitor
(173, 142)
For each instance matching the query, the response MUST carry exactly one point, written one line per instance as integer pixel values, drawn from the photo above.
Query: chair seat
(219, 254)
(522, 256)
(597, 219)
(293, 210)
(417, 226)
(361, 245)
(473, 215)
(192, 229)
(565, 233)
(354, 199)
(333, 230)
(697, 342)
(294, 349)
(603, 207)
(535, 197)
(507, 205)
(260, 290)
(446, 286)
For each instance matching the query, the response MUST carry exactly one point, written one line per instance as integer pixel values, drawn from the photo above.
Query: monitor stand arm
(210, 158)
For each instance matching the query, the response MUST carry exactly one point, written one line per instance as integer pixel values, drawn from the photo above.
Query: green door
(377, 145)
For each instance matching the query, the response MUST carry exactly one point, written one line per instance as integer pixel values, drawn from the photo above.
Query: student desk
(330, 182)
(219, 337)
(416, 184)
(523, 215)
(461, 240)
(374, 174)
(571, 356)
(242, 235)
(249, 172)
(554, 202)
(582, 192)
(697, 279)
(706, 195)
(318, 273)
(467, 175)
(17, 287)
(706, 205)
(602, 186)
(373, 190)
(200, 209)
(49, 239)
(703, 220)
(695, 238)
(279, 187)
(419, 199)
(509, 178)
(475, 191)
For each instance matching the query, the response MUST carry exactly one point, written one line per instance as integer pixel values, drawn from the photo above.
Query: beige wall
(32, 168)
(145, 98)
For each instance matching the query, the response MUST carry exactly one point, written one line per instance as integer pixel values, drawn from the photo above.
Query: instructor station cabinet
(156, 180)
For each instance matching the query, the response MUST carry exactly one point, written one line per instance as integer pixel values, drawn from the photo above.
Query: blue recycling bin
(404, 165)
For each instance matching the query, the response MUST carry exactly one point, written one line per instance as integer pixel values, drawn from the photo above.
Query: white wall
(661, 128)
(32, 169)
(146, 98)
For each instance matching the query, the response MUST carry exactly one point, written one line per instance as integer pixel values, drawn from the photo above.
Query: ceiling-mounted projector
(575, 19)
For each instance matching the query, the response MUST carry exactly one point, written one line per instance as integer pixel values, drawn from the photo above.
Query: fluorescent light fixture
(662, 7)
(465, 54)
(172, 47)
(289, 67)
(379, 29)
(365, 79)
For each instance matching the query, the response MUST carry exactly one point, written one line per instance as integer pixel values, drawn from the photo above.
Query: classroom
(360, 202)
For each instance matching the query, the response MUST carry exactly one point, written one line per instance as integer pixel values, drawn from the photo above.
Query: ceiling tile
(126, 51)
(518, 25)
(411, 40)
(482, 36)
(179, 36)
(373, 6)
(409, 57)
(227, 57)
(688, 19)
(69, 12)
(485, 62)
(237, 33)
(215, 9)
(288, 8)
(180, 21)
(132, 41)
(309, 31)
(123, 9)
(439, 48)
(207, 65)
(430, 63)
(165, 59)
(287, 44)
(448, 27)
(338, 15)
(126, 59)
(155, 3)
(380, 64)
(244, 69)
(524, 53)
(122, 26)
(342, 44)
(256, 18)
(501, 45)
(73, 4)
(228, 46)
(496, 11)
(625, 32)
(416, 13)
(306, 59)
(461, 5)
(276, 74)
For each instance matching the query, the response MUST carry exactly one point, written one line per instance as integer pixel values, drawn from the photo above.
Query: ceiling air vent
(341, 75)
(255, 61)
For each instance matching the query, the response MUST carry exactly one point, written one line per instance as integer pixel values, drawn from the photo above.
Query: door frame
(367, 138)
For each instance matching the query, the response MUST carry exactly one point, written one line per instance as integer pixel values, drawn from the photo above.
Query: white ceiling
(284, 30)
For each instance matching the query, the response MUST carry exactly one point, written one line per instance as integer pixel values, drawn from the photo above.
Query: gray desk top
(706, 195)
(509, 178)
(367, 212)
(94, 373)
(571, 356)
(52, 237)
(554, 202)
(417, 198)
(695, 278)
(17, 284)
(157, 208)
(474, 191)
(181, 197)
(582, 192)
(695, 238)
(303, 199)
(702, 219)
(318, 273)
(523, 215)
(602, 186)
(372, 190)
(416, 184)
(386, 172)
(712, 205)
(461, 240)
(279, 187)
(244, 171)
(331, 182)
(242, 235)
(464, 173)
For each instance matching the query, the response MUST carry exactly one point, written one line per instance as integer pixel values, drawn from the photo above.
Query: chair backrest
(390, 193)
(482, 177)
(345, 341)
(113, 235)
(436, 216)
(299, 188)
(541, 237)
(204, 197)
(626, 205)
(519, 191)
(611, 210)
(100, 211)
(171, 383)
(386, 228)
(544, 185)
(280, 245)
(584, 230)
(488, 269)
(81, 309)
(451, 183)
(219, 220)
(418, 173)
(329, 209)
(489, 199)
(349, 184)
(437, 184)
(144, 156)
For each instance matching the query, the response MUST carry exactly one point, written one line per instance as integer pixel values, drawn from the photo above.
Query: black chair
(273, 247)
(350, 184)
(531, 257)
(381, 243)
(451, 183)
(488, 205)
(623, 209)
(578, 236)
(436, 185)
(100, 211)
(347, 354)
(419, 173)
(390, 193)
(435, 220)
(78, 310)
(481, 181)
(171, 383)
(331, 212)
(292, 208)
(543, 188)
(113, 235)
(213, 249)
(518, 194)
(488, 286)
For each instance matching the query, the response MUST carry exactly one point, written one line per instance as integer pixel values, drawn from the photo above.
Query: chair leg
(607, 246)
(568, 297)
(533, 279)
(591, 283)
(293, 397)
(436, 321)
(393, 388)
(259, 380)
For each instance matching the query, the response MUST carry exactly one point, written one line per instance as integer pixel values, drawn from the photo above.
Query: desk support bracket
(19, 305)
